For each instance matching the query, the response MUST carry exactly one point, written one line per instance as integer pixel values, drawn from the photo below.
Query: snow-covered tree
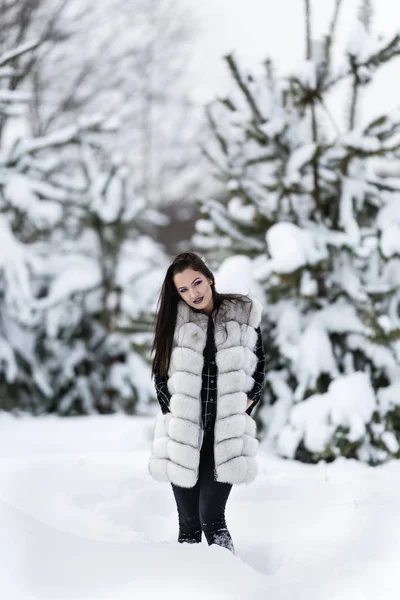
(103, 283)
(308, 202)
(78, 277)
(31, 191)
(133, 64)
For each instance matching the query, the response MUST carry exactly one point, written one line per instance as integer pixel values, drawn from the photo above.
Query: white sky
(255, 29)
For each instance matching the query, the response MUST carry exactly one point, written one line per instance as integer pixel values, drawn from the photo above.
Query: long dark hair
(167, 307)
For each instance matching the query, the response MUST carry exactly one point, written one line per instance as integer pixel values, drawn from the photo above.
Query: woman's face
(195, 289)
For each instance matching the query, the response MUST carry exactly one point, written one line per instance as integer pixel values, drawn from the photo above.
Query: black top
(209, 380)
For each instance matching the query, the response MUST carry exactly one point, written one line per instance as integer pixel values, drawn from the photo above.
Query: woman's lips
(199, 300)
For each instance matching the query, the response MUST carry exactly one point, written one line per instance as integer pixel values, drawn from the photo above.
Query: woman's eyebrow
(183, 286)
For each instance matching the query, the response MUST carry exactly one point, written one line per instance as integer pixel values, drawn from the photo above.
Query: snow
(21, 49)
(235, 276)
(22, 191)
(308, 285)
(14, 264)
(359, 44)
(351, 190)
(78, 274)
(241, 211)
(8, 365)
(60, 137)
(292, 247)
(341, 317)
(314, 357)
(299, 157)
(389, 397)
(388, 222)
(204, 226)
(12, 96)
(218, 215)
(82, 519)
(307, 74)
(349, 403)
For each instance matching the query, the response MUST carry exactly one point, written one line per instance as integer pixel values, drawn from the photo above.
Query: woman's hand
(249, 403)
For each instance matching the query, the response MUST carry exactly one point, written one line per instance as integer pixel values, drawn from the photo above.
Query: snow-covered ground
(81, 519)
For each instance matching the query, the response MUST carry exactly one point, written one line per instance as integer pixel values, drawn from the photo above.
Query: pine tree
(102, 285)
(307, 201)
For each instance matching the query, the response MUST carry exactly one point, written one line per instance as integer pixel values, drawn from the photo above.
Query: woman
(208, 370)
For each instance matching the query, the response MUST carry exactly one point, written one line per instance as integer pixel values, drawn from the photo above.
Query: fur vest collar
(178, 434)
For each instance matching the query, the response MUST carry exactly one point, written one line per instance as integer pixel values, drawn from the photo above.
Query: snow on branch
(16, 52)
(383, 55)
(217, 215)
(242, 85)
(386, 53)
(64, 136)
(7, 72)
(10, 96)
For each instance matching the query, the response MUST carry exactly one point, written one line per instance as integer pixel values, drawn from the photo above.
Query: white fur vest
(178, 434)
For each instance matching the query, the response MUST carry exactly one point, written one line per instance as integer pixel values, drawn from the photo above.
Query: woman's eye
(197, 282)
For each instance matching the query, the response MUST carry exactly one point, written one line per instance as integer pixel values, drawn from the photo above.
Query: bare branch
(308, 28)
(332, 30)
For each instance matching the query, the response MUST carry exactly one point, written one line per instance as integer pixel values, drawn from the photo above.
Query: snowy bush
(310, 205)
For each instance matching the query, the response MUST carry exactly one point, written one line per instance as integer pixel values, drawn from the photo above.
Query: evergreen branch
(258, 135)
(244, 88)
(383, 55)
(315, 161)
(259, 159)
(11, 96)
(228, 103)
(215, 212)
(312, 97)
(7, 72)
(70, 134)
(213, 161)
(308, 28)
(309, 98)
(363, 153)
(43, 305)
(354, 94)
(332, 30)
(378, 124)
(214, 128)
(332, 120)
(383, 186)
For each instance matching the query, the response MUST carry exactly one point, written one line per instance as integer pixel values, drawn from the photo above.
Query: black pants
(202, 507)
